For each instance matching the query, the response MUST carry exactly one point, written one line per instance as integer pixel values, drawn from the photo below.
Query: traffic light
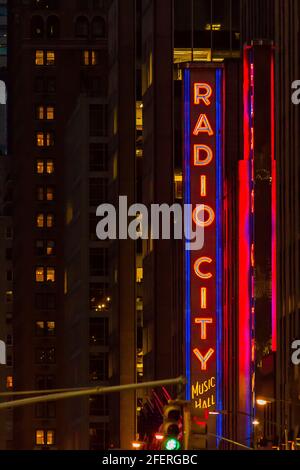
(197, 438)
(171, 426)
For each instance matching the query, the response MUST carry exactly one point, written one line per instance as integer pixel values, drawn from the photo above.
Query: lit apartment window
(45, 248)
(9, 296)
(9, 382)
(50, 167)
(39, 57)
(45, 328)
(43, 219)
(50, 193)
(50, 274)
(90, 57)
(45, 167)
(40, 220)
(139, 275)
(44, 139)
(50, 220)
(45, 112)
(44, 57)
(40, 193)
(44, 437)
(40, 274)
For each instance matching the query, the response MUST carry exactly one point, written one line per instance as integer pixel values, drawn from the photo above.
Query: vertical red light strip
(274, 210)
(245, 258)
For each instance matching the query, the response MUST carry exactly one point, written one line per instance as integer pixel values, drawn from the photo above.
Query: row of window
(55, 4)
(84, 28)
(48, 58)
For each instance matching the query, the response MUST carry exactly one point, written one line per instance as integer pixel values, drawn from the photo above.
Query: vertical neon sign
(203, 150)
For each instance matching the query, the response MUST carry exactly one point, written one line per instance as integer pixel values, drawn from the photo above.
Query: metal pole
(192, 28)
(229, 440)
(89, 391)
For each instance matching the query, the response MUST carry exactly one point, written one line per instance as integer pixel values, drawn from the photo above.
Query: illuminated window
(39, 274)
(9, 296)
(50, 193)
(178, 186)
(45, 112)
(90, 57)
(50, 57)
(50, 220)
(50, 274)
(39, 57)
(45, 328)
(50, 167)
(44, 437)
(50, 246)
(44, 139)
(40, 167)
(9, 382)
(40, 139)
(139, 275)
(40, 220)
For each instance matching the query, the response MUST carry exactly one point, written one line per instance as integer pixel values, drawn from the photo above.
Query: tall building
(58, 50)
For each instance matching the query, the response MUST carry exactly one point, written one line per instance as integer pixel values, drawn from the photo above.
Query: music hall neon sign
(203, 111)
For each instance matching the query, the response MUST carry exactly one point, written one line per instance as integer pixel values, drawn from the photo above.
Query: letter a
(203, 125)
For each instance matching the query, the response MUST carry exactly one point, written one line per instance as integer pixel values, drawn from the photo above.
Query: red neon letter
(199, 95)
(203, 125)
(203, 359)
(203, 322)
(209, 155)
(197, 267)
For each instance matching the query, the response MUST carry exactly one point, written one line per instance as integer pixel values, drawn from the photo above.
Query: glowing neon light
(274, 210)
(199, 221)
(197, 267)
(203, 294)
(203, 359)
(203, 322)
(209, 155)
(187, 151)
(203, 191)
(203, 126)
(198, 96)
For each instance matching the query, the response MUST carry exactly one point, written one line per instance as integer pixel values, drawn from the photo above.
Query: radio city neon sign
(203, 185)
(203, 156)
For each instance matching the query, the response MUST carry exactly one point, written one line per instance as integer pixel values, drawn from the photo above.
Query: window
(98, 262)
(98, 191)
(99, 300)
(46, 4)
(139, 275)
(9, 382)
(45, 193)
(99, 331)
(82, 27)
(45, 301)
(98, 120)
(44, 139)
(98, 367)
(53, 27)
(45, 355)
(9, 233)
(9, 275)
(45, 328)
(44, 57)
(98, 27)
(9, 296)
(45, 85)
(37, 27)
(44, 437)
(45, 410)
(45, 382)
(45, 167)
(98, 157)
(90, 58)
(98, 405)
(99, 436)
(43, 274)
(44, 220)
(45, 113)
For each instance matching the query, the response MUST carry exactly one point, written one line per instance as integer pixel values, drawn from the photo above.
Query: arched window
(37, 27)
(98, 27)
(82, 27)
(53, 27)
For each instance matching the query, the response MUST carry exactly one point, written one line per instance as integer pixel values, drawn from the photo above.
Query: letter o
(209, 211)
